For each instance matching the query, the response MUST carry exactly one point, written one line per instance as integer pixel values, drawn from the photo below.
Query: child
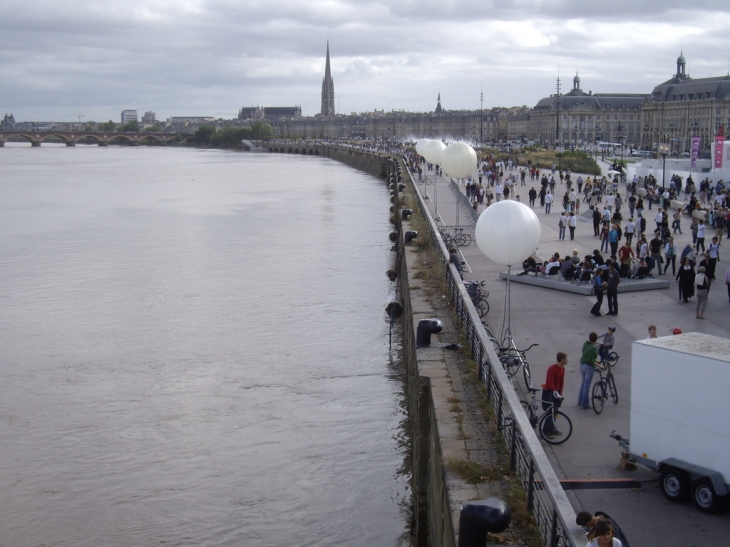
(608, 341)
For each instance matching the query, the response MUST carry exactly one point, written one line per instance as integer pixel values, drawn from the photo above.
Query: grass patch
(577, 161)
(521, 517)
(474, 472)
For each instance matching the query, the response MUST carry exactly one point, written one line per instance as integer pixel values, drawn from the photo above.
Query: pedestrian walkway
(561, 321)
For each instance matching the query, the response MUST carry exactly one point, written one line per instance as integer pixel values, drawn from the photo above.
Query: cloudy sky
(210, 57)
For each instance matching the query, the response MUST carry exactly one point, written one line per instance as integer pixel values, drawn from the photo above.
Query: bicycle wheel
(612, 359)
(599, 396)
(511, 363)
(482, 304)
(464, 240)
(563, 428)
(526, 374)
(612, 389)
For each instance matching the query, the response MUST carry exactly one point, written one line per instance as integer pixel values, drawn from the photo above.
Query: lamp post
(481, 117)
(663, 149)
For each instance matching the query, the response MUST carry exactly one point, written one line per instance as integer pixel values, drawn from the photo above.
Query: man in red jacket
(552, 390)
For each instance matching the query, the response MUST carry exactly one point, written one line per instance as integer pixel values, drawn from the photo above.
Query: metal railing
(546, 498)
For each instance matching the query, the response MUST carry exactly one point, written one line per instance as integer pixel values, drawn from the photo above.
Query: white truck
(680, 426)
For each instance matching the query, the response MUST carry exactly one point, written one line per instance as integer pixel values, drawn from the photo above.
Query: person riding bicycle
(552, 390)
(607, 344)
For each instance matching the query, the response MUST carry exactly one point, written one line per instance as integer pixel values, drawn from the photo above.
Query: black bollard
(411, 235)
(427, 327)
(477, 518)
(394, 308)
(405, 213)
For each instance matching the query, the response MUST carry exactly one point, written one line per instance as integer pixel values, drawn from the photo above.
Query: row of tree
(230, 137)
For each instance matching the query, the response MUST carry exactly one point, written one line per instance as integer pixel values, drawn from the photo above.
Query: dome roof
(680, 59)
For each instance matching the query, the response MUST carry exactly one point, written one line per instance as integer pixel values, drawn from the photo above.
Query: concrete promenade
(560, 321)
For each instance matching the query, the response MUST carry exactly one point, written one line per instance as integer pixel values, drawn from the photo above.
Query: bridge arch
(121, 137)
(289, 151)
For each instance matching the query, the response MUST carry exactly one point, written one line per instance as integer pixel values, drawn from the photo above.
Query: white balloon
(459, 160)
(420, 144)
(433, 152)
(508, 232)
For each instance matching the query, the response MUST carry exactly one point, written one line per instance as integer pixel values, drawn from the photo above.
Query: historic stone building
(269, 113)
(328, 88)
(682, 108)
(587, 118)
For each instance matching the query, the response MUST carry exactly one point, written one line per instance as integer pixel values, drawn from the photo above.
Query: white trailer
(680, 426)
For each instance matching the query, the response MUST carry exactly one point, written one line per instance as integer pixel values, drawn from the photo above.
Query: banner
(695, 150)
(719, 140)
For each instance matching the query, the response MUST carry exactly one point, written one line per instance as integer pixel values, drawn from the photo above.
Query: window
(718, 111)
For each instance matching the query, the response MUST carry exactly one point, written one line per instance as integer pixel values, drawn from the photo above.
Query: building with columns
(587, 118)
(682, 108)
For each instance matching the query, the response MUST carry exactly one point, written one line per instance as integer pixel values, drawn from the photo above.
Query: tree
(108, 126)
(261, 131)
(202, 135)
(131, 126)
(152, 129)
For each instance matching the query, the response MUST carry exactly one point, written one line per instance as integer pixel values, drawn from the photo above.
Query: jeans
(561, 232)
(672, 260)
(586, 373)
(612, 295)
(572, 233)
(604, 243)
(547, 207)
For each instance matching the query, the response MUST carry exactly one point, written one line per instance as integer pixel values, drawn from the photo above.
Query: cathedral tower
(328, 89)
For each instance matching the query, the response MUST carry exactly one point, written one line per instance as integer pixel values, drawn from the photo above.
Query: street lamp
(663, 149)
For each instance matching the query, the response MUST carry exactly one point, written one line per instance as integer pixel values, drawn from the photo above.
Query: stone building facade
(587, 118)
(682, 108)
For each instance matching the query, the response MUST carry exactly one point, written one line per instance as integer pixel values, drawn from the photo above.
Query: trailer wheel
(675, 484)
(704, 497)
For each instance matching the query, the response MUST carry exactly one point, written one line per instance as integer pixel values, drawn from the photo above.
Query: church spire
(328, 88)
(439, 110)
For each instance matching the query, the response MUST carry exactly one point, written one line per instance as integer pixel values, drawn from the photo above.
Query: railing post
(531, 486)
(554, 528)
(499, 410)
(513, 447)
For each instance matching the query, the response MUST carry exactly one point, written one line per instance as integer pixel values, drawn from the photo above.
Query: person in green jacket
(588, 364)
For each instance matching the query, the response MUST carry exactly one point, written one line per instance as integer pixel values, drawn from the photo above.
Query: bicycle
(512, 359)
(604, 388)
(428, 179)
(461, 239)
(610, 358)
(478, 296)
(562, 427)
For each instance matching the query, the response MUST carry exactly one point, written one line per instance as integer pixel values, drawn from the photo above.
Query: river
(195, 352)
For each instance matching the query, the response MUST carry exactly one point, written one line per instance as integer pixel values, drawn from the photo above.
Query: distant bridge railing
(546, 498)
(71, 138)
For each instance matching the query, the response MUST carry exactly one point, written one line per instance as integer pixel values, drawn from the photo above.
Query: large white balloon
(507, 232)
(459, 160)
(433, 152)
(420, 144)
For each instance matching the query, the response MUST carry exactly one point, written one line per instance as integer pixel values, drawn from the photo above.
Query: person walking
(685, 280)
(677, 222)
(552, 390)
(588, 365)
(572, 223)
(701, 288)
(700, 236)
(670, 255)
(548, 202)
(562, 223)
(599, 285)
(612, 288)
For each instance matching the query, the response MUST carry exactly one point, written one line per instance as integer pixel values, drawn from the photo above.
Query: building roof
(596, 101)
(688, 89)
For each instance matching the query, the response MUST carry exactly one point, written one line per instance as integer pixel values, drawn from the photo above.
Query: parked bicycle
(554, 426)
(512, 359)
(427, 179)
(478, 295)
(603, 389)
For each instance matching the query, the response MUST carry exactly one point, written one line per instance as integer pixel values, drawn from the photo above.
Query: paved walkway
(560, 321)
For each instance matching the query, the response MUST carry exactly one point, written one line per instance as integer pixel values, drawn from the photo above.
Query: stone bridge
(102, 138)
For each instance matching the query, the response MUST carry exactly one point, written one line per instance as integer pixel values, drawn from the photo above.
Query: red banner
(719, 140)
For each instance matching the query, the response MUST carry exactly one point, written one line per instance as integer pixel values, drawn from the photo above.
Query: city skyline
(211, 57)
